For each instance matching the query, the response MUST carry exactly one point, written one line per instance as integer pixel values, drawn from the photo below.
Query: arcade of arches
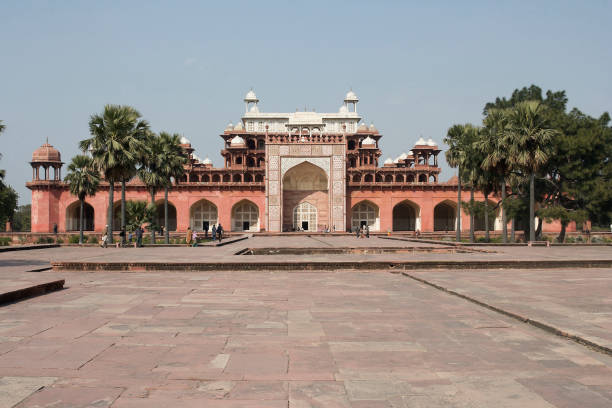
(406, 217)
(305, 198)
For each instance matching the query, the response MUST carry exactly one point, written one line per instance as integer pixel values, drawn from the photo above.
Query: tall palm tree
(496, 159)
(150, 173)
(527, 141)
(173, 159)
(470, 169)
(455, 156)
(83, 180)
(117, 141)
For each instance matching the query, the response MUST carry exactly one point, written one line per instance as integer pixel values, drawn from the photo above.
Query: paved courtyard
(301, 339)
(319, 339)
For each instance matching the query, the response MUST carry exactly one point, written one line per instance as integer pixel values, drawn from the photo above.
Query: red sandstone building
(283, 172)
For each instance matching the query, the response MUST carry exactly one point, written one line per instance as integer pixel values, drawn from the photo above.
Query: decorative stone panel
(274, 212)
(273, 162)
(273, 188)
(273, 149)
(305, 150)
(284, 150)
(338, 162)
(339, 200)
(273, 175)
(338, 187)
(338, 149)
(274, 200)
(316, 150)
(326, 150)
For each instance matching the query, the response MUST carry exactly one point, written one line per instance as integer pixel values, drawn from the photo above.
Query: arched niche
(406, 216)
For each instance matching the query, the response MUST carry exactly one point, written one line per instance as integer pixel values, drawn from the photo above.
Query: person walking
(194, 236)
(219, 232)
(357, 232)
(188, 236)
(104, 242)
(139, 232)
(367, 231)
(214, 232)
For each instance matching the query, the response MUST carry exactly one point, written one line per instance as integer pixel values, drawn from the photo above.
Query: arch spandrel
(287, 163)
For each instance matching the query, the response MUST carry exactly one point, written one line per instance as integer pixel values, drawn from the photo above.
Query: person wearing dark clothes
(219, 232)
(367, 231)
(139, 237)
(214, 232)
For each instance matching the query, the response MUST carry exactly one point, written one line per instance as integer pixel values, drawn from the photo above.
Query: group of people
(138, 232)
(363, 232)
(192, 236)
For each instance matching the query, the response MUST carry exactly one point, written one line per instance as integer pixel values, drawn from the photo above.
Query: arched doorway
(160, 218)
(245, 217)
(406, 216)
(445, 216)
(365, 213)
(203, 215)
(73, 217)
(305, 182)
(305, 217)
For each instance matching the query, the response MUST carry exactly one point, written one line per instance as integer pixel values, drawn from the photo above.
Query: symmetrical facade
(299, 171)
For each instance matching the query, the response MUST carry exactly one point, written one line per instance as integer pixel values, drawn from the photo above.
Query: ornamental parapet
(305, 138)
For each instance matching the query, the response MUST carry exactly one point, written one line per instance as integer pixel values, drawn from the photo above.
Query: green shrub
(44, 240)
(74, 239)
(5, 241)
(93, 239)
(59, 241)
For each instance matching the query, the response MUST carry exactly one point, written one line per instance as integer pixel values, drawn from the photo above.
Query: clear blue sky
(418, 67)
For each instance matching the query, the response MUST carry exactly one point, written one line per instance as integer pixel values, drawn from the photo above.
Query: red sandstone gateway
(300, 171)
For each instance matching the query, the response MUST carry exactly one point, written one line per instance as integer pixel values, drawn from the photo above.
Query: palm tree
(117, 142)
(150, 173)
(470, 169)
(455, 156)
(173, 159)
(527, 141)
(496, 158)
(83, 180)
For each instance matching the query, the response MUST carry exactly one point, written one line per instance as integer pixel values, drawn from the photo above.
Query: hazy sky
(418, 67)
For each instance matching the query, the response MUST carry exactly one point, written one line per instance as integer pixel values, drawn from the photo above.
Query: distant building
(283, 172)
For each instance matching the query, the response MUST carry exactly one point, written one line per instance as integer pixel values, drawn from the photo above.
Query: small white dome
(389, 160)
(185, 141)
(251, 97)
(351, 97)
(207, 161)
(343, 109)
(421, 142)
(254, 109)
(430, 142)
(372, 128)
(397, 159)
(237, 140)
(238, 126)
(230, 126)
(410, 153)
(362, 128)
(368, 141)
(403, 156)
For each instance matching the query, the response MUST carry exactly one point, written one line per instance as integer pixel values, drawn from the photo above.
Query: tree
(138, 213)
(151, 174)
(8, 204)
(83, 180)
(527, 140)
(495, 162)
(470, 168)
(579, 172)
(22, 218)
(116, 144)
(173, 159)
(455, 158)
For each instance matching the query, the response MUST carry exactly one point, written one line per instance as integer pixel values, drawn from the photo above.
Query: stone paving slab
(278, 339)
(579, 304)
